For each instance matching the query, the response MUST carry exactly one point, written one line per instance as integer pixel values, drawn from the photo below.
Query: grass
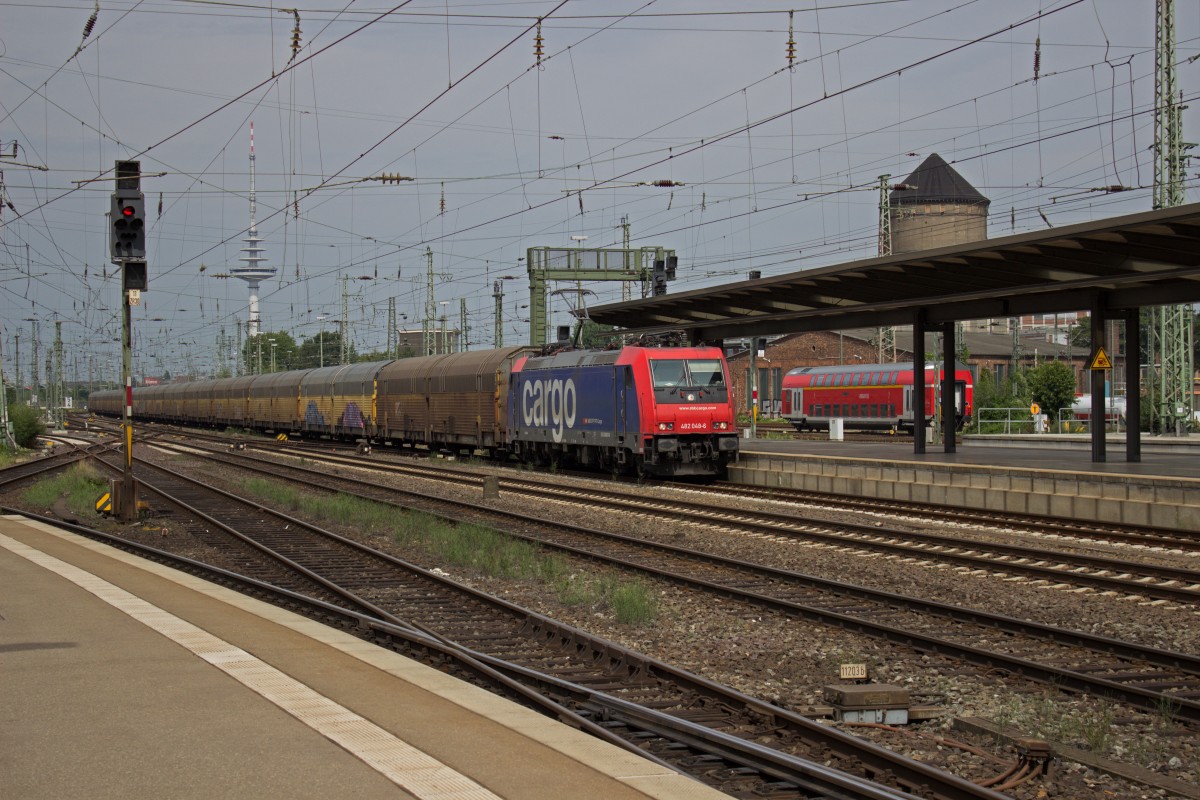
(469, 547)
(1044, 716)
(80, 487)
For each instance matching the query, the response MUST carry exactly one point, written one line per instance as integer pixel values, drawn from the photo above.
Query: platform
(126, 679)
(1043, 474)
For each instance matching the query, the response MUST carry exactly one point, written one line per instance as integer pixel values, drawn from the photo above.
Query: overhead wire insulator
(295, 35)
(665, 184)
(538, 51)
(88, 26)
(1037, 58)
(91, 22)
(442, 205)
(791, 42)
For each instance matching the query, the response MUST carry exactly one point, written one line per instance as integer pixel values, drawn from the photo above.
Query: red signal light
(127, 211)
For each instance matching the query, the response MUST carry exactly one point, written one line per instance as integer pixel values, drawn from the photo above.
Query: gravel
(789, 662)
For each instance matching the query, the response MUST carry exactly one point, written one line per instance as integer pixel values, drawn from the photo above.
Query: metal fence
(1007, 421)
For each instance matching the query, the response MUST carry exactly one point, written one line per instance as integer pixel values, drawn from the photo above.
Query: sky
(762, 162)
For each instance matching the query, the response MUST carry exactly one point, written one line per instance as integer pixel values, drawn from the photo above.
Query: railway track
(699, 727)
(1052, 527)
(1055, 567)
(1144, 677)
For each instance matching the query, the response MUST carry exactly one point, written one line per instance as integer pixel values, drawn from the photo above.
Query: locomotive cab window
(706, 372)
(693, 373)
(667, 373)
(689, 381)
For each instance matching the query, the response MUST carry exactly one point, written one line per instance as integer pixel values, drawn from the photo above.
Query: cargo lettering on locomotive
(549, 404)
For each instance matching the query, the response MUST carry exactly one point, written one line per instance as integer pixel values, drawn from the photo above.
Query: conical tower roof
(937, 182)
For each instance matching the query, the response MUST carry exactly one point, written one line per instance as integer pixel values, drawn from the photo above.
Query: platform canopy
(1111, 265)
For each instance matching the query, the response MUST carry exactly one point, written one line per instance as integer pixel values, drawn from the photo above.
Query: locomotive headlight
(666, 426)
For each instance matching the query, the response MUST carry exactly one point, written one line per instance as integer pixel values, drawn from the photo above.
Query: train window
(874, 409)
(705, 372)
(667, 373)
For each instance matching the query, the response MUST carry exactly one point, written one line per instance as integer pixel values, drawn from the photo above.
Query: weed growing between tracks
(80, 487)
(472, 547)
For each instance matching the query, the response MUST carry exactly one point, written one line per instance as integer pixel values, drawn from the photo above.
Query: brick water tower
(941, 209)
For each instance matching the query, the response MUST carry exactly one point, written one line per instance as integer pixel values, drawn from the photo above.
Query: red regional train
(655, 411)
(868, 396)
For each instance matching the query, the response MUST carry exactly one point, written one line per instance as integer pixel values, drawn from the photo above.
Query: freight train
(868, 396)
(662, 412)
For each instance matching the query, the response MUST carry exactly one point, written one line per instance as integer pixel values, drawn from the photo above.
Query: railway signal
(127, 226)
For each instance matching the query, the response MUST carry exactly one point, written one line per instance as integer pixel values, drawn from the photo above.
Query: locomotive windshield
(695, 373)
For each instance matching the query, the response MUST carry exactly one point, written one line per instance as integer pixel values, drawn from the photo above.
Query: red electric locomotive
(868, 396)
(666, 412)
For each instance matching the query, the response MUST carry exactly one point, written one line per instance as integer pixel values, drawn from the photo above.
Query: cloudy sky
(771, 164)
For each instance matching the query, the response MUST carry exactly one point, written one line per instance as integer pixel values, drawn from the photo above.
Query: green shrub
(27, 424)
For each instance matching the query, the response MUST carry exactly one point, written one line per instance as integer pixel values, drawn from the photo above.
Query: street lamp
(321, 319)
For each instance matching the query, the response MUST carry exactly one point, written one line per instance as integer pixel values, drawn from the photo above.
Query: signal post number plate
(853, 672)
(135, 297)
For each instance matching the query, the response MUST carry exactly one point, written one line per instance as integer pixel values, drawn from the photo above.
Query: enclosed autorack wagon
(340, 400)
(274, 401)
(455, 400)
(196, 400)
(231, 401)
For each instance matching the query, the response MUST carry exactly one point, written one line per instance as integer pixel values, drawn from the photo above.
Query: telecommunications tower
(252, 254)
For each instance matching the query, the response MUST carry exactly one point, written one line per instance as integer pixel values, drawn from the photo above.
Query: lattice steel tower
(1171, 326)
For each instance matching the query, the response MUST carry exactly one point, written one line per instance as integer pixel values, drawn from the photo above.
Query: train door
(629, 420)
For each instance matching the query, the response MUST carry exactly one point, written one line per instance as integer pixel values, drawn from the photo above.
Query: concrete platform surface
(125, 679)
(1162, 457)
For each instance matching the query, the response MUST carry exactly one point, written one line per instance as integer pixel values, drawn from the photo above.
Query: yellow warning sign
(104, 504)
(1101, 360)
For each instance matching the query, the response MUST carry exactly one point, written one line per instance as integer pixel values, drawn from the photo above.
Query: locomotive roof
(577, 358)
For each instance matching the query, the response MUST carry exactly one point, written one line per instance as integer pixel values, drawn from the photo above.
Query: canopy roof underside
(1112, 265)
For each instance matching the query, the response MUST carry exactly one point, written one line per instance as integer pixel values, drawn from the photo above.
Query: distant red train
(868, 396)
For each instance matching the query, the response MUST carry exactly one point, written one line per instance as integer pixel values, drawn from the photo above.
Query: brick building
(985, 351)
